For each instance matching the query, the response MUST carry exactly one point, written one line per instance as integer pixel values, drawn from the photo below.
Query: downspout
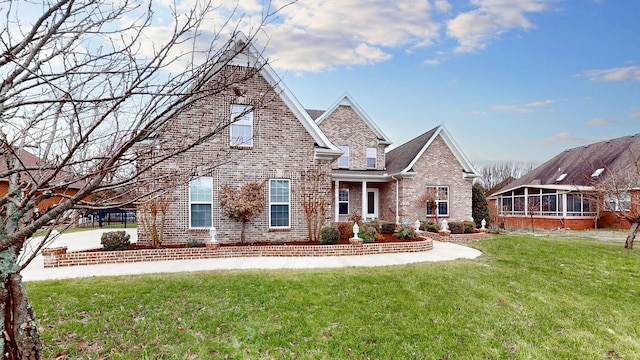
(397, 200)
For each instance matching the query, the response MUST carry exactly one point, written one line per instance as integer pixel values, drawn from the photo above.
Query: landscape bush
(345, 228)
(191, 243)
(367, 233)
(406, 232)
(456, 227)
(468, 227)
(387, 228)
(329, 235)
(431, 227)
(115, 240)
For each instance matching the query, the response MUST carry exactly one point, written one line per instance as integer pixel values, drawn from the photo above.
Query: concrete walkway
(91, 239)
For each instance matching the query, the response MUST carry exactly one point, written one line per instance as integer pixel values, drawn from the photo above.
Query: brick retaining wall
(58, 257)
(455, 237)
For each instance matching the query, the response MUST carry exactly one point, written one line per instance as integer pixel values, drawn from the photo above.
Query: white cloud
(561, 138)
(314, 35)
(473, 29)
(442, 6)
(614, 74)
(432, 62)
(540, 103)
(599, 121)
(634, 114)
(514, 108)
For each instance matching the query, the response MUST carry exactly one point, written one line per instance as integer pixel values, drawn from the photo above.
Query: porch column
(364, 200)
(336, 200)
(526, 201)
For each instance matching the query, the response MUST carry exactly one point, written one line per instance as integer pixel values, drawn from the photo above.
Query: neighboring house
(580, 188)
(58, 188)
(276, 141)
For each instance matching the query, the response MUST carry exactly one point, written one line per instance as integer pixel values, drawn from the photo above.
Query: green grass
(525, 298)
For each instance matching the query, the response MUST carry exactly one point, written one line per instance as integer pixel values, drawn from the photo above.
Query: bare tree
(243, 204)
(84, 87)
(316, 200)
(496, 173)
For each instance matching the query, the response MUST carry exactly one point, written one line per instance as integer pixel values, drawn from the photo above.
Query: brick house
(275, 140)
(581, 188)
(394, 180)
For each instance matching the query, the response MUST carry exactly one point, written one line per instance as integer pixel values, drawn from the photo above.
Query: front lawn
(525, 298)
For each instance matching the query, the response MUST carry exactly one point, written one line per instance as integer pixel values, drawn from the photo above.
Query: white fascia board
(326, 154)
(278, 85)
(347, 100)
(361, 177)
(562, 188)
(469, 171)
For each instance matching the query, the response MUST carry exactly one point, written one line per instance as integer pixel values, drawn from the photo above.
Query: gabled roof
(346, 100)
(582, 165)
(400, 161)
(325, 150)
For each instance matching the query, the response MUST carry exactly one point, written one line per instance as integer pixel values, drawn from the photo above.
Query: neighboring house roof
(39, 169)
(346, 100)
(400, 161)
(578, 168)
(325, 150)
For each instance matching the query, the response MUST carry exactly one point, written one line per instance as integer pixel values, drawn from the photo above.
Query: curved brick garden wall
(57, 257)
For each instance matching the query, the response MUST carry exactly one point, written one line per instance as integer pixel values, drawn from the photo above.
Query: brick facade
(438, 166)
(282, 149)
(345, 127)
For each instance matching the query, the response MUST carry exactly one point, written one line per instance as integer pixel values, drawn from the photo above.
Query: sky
(512, 80)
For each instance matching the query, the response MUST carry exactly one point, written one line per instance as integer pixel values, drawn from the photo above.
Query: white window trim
(343, 201)
(345, 150)
(245, 120)
(374, 152)
(210, 181)
(376, 203)
(280, 203)
(623, 197)
(437, 187)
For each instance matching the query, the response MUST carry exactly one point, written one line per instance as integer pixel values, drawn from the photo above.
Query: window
(372, 154)
(437, 200)
(279, 203)
(343, 161)
(343, 201)
(619, 201)
(200, 202)
(597, 172)
(241, 125)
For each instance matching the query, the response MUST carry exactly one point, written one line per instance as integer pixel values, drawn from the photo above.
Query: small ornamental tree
(316, 200)
(242, 204)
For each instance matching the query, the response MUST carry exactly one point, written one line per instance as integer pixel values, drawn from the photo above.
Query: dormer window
(241, 127)
(597, 172)
(343, 161)
(372, 155)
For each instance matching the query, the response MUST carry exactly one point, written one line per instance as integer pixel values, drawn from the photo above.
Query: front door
(372, 203)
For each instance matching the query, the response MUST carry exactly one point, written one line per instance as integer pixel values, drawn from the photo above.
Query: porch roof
(360, 175)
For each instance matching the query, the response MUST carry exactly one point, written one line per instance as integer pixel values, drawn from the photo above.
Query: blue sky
(512, 80)
(516, 80)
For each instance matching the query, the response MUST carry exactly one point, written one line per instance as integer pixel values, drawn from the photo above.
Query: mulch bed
(387, 238)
